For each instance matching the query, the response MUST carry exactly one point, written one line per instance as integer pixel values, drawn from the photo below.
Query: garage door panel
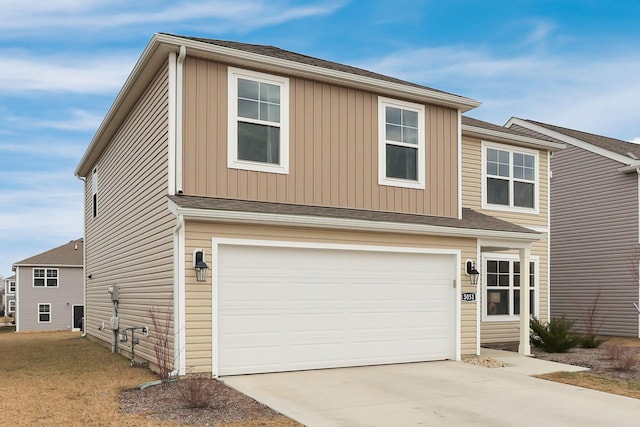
(300, 308)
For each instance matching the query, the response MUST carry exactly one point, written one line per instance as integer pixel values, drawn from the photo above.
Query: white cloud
(593, 93)
(77, 120)
(239, 15)
(68, 73)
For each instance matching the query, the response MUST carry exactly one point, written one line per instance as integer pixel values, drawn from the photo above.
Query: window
(258, 121)
(12, 287)
(94, 192)
(45, 277)
(12, 306)
(510, 178)
(44, 313)
(401, 148)
(502, 287)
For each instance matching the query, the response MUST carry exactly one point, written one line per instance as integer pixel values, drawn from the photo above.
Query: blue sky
(571, 63)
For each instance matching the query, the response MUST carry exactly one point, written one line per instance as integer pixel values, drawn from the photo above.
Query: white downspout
(84, 259)
(178, 130)
(525, 297)
(179, 343)
(171, 166)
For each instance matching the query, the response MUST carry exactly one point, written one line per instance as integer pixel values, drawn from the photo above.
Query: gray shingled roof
(69, 254)
(612, 144)
(519, 131)
(276, 52)
(470, 218)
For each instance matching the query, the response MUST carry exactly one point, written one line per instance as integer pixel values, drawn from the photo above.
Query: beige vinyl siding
(333, 152)
(472, 198)
(129, 243)
(198, 295)
(595, 237)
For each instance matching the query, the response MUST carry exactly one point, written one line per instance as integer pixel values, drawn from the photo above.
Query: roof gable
(622, 151)
(69, 254)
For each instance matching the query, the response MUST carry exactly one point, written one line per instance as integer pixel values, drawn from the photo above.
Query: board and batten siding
(501, 331)
(62, 298)
(594, 227)
(333, 149)
(130, 241)
(199, 312)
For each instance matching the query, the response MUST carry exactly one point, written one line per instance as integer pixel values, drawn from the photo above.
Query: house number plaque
(469, 296)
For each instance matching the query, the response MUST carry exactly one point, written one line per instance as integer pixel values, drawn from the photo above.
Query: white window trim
(382, 144)
(50, 312)
(9, 291)
(511, 149)
(33, 283)
(232, 128)
(536, 295)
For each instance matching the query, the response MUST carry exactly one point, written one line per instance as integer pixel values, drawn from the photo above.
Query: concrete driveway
(438, 394)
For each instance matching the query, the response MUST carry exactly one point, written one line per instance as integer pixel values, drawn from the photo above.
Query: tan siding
(198, 295)
(595, 238)
(472, 187)
(333, 150)
(472, 198)
(130, 242)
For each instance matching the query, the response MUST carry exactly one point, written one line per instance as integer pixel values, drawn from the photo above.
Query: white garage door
(288, 308)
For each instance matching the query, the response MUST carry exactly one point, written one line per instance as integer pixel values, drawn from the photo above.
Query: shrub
(591, 341)
(623, 358)
(555, 336)
(196, 392)
(161, 336)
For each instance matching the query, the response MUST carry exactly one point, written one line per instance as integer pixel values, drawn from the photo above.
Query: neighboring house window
(12, 306)
(258, 121)
(45, 277)
(401, 145)
(502, 288)
(44, 313)
(94, 192)
(12, 287)
(510, 178)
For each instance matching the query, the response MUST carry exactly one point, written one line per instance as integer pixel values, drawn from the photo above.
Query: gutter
(179, 304)
(510, 138)
(179, 104)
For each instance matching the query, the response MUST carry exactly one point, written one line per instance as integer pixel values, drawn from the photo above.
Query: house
(296, 213)
(596, 232)
(9, 295)
(49, 291)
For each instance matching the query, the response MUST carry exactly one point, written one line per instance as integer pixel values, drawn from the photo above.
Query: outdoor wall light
(199, 265)
(472, 272)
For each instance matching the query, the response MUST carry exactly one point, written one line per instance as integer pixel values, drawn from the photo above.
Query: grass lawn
(60, 379)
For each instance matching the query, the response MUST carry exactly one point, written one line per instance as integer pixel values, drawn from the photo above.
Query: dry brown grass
(606, 380)
(60, 379)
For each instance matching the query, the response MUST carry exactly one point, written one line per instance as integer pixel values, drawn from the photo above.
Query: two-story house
(595, 249)
(50, 289)
(297, 213)
(9, 295)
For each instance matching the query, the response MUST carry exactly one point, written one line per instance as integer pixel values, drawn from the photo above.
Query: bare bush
(612, 350)
(161, 321)
(627, 360)
(196, 392)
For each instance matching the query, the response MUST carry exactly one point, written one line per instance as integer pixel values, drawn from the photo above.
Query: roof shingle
(69, 254)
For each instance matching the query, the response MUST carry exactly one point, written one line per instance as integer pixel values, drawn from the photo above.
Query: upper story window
(94, 192)
(258, 121)
(45, 277)
(401, 147)
(12, 286)
(510, 178)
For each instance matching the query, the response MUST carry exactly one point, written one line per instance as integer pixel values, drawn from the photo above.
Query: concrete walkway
(438, 394)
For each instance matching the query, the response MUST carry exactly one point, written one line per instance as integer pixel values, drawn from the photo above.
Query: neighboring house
(595, 227)
(335, 209)
(9, 295)
(50, 289)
